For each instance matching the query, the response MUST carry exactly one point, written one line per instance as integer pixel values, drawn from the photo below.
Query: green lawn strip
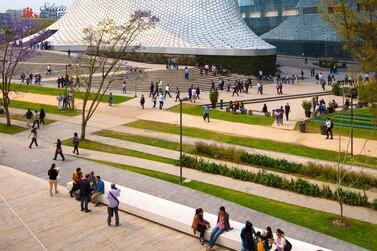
(197, 110)
(146, 140)
(270, 145)
(96, 146)
(191, 150)
(305, 217)
(361, 133)
(56, 91)
(48, 108)
(13, 129)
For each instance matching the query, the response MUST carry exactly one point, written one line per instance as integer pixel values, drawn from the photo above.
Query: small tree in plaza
(13, 50)
(107, 43)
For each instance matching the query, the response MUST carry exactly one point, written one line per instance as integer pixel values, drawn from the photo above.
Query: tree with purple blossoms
(107, 43)
(16, 45)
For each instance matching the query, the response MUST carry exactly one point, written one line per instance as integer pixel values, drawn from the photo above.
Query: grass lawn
(11, 129)
(255, 143)
(56, 91)
(146, 140)
(197, 110)
(48, 108)
(305, 217)
(96, 146)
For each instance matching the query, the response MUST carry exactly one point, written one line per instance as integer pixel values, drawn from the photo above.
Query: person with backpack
(113, 205)
(281, 243)
(329, 127)
(29, 117)
(75, 142)
(247, 237)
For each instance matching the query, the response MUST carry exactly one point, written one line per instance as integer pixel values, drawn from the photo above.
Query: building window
(290, 12)
(255, 14)
(310, 10)
(246, 2)
(271, 13)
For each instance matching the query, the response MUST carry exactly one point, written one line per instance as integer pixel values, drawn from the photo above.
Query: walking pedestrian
(53, 173)
(177, 94)
(59, 150)
(287, 109)
(29, 117)
(75, 142)
(42, 116)
(329, 127)
(151, 89)
(85, 194)
(142, 101)
(167, 90)
(36, 120)
(206, 113)
(49, 70)
(111, 99)
(154, 100)
(186, 72)
(161, 100)
(124, 87)
(33, 135)
(113, 205)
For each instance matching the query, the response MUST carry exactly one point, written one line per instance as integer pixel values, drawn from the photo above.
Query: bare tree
(107, 44)
(14, 48)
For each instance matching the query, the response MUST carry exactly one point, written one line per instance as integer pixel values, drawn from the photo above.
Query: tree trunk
(83, 130)
(341, 211)
(6, 108)
(7, 114)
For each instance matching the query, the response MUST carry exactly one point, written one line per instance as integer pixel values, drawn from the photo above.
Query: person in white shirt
(113, 205)
(167, 90)
(329, 127)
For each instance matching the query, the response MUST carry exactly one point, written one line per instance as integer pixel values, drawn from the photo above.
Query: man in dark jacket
(85, 193)
(221, 226)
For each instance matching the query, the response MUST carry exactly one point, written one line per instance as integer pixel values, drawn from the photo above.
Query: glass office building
(295, 27)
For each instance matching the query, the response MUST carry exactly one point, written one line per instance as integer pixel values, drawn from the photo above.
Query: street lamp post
(181, 100)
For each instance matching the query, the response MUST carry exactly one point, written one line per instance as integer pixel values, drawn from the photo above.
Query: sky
(35, 4)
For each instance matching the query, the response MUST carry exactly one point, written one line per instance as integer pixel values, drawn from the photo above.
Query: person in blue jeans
(221, 226)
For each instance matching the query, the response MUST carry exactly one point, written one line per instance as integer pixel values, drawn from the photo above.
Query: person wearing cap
(113, 205)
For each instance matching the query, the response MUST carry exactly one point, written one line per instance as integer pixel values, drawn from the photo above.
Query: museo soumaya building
(295, 27)
(211, 31)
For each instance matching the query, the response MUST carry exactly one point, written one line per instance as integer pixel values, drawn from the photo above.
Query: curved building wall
(195, 27)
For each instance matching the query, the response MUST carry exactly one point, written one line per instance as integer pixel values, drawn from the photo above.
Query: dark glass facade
(295, 27)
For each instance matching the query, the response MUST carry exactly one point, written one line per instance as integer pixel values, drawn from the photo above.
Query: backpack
(260, 246)
(332, 125)
(288, 245)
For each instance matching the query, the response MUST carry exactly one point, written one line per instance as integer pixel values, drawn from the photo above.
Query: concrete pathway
(37, 162)
(58, 224)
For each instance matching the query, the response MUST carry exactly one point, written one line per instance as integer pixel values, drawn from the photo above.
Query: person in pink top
(221, 226)
(280, 241)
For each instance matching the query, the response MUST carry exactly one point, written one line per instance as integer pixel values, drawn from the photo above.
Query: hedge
(310, 170)
(269, 179)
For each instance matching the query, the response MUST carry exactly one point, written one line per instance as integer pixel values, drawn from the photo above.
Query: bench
(179, 217)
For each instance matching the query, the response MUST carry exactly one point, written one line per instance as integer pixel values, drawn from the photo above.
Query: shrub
(351, 198)
(265, 161)
(374, 204)
(304, 187)
(327, 192)
(214, 97)
(307, 105)
(218, 152)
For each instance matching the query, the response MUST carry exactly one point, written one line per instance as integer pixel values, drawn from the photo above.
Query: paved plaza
(30, 167)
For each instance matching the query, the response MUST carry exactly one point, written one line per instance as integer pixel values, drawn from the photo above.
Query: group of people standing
(280, 112)
(28, 78)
